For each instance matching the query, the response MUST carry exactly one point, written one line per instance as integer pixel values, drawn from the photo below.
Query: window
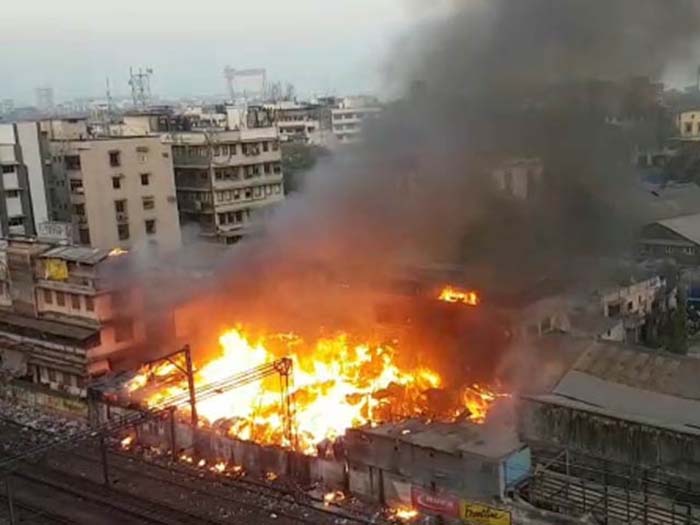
(115, 159)
(15, 221)
(688, 127)
(79, 209)
(72, 162)
(123, 232)
(60, 299)
(277, 188)
(149, 203)
(233, 149)
(89, 303)
(278, 168)
(76, 186)
(145, 179)
(12, 194)
(75, 301)
(266, 146)
(8, 169)
(150, 227)
(123, 331)
(267, 168)
(275, 146)
(248, 193)
(84, 236)
(120, 206)
(116, 183)
(48, 296)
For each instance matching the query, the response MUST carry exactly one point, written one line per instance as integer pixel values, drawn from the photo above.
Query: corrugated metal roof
(687, 226)
(674, 201)
(651, 388)
(491, 440)
(654, 371)
(80, 254)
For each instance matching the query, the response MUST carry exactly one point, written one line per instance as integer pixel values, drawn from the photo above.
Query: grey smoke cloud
(497, 79)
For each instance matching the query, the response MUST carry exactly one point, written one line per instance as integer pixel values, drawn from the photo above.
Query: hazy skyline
(73, 45)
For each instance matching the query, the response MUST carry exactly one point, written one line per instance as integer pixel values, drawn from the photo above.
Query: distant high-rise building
(7, 106)
(44, 98)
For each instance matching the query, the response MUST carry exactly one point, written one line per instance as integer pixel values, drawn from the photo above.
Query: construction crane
(232, 75)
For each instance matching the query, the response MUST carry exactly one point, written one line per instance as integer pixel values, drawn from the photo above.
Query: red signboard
(435, 502)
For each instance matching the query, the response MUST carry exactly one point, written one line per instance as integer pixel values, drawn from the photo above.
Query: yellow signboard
(476, 514)
(56, 270)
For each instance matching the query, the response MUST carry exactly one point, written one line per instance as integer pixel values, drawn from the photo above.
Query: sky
(320, 46)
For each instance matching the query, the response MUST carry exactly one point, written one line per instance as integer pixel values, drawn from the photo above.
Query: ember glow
(403, 513)
(336, 384)
(451, 294)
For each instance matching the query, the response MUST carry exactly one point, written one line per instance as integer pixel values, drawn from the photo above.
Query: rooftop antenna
(140, 83)
(109, 96)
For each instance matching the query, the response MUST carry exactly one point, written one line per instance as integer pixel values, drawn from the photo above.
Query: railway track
(253, 502)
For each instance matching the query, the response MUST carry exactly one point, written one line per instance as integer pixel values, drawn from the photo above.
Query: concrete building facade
(224, 178)
(62, 319)
(348, 118)
(116, 191)
(23, 200)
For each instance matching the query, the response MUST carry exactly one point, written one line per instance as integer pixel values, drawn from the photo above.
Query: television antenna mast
(140, 83)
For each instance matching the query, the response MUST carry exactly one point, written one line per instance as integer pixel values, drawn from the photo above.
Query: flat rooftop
(492, 440)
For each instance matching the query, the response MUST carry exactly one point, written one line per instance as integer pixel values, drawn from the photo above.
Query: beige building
(117, 191)
(225, 178)
(688, 123)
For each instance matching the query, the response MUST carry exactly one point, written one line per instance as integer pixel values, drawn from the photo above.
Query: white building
(23, 204)
(348, 118)
(117, 191)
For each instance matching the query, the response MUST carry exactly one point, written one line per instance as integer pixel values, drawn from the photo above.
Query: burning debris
(402, 514)
(337, 384)
(450, 294)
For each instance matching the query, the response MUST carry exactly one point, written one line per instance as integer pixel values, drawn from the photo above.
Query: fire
(115, 252)
(218, 467)
(335, 496)
(478, 400)
(451, 294)
(336, 385)
(127, 441)
(403, 513)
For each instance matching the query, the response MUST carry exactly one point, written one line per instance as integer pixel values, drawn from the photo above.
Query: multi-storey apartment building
(62, 317)
(224, 178)
(22, 192)
(117, 191)
(348, 118)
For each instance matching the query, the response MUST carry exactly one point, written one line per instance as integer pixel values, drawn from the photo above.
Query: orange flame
(337, 385)
(115, 252)
(451, 294)
(403, 513)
